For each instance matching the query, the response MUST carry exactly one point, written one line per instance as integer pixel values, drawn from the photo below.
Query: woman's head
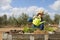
(40, 12)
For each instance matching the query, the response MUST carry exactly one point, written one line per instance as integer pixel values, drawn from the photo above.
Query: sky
(30, 7)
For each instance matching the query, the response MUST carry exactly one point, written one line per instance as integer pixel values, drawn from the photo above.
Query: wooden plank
(45, 37)
(31, 37)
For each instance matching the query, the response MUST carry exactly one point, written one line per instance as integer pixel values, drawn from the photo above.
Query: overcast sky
(16, 7)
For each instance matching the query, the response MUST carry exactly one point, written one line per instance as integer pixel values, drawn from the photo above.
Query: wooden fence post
(31, 37)
(9, 37)
(46, 37)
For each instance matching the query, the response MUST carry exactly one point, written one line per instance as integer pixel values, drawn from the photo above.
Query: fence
(31, 36)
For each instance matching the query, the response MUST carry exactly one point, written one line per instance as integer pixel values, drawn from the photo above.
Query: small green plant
(26, 29)
(49, 29)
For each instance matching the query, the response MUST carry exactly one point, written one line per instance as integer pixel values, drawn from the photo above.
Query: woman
(42, 14)
(36, 23)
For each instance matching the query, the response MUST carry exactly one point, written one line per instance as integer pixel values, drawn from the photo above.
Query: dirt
(40, 32)
(7, 29)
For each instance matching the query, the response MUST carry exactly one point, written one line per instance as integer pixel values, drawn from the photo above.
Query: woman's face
(39, 15)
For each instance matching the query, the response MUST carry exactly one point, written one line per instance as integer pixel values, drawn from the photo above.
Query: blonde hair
(40, 12)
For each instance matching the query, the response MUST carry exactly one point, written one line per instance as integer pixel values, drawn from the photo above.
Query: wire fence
(31, 36)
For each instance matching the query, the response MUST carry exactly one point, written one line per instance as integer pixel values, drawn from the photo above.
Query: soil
(7, 29)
